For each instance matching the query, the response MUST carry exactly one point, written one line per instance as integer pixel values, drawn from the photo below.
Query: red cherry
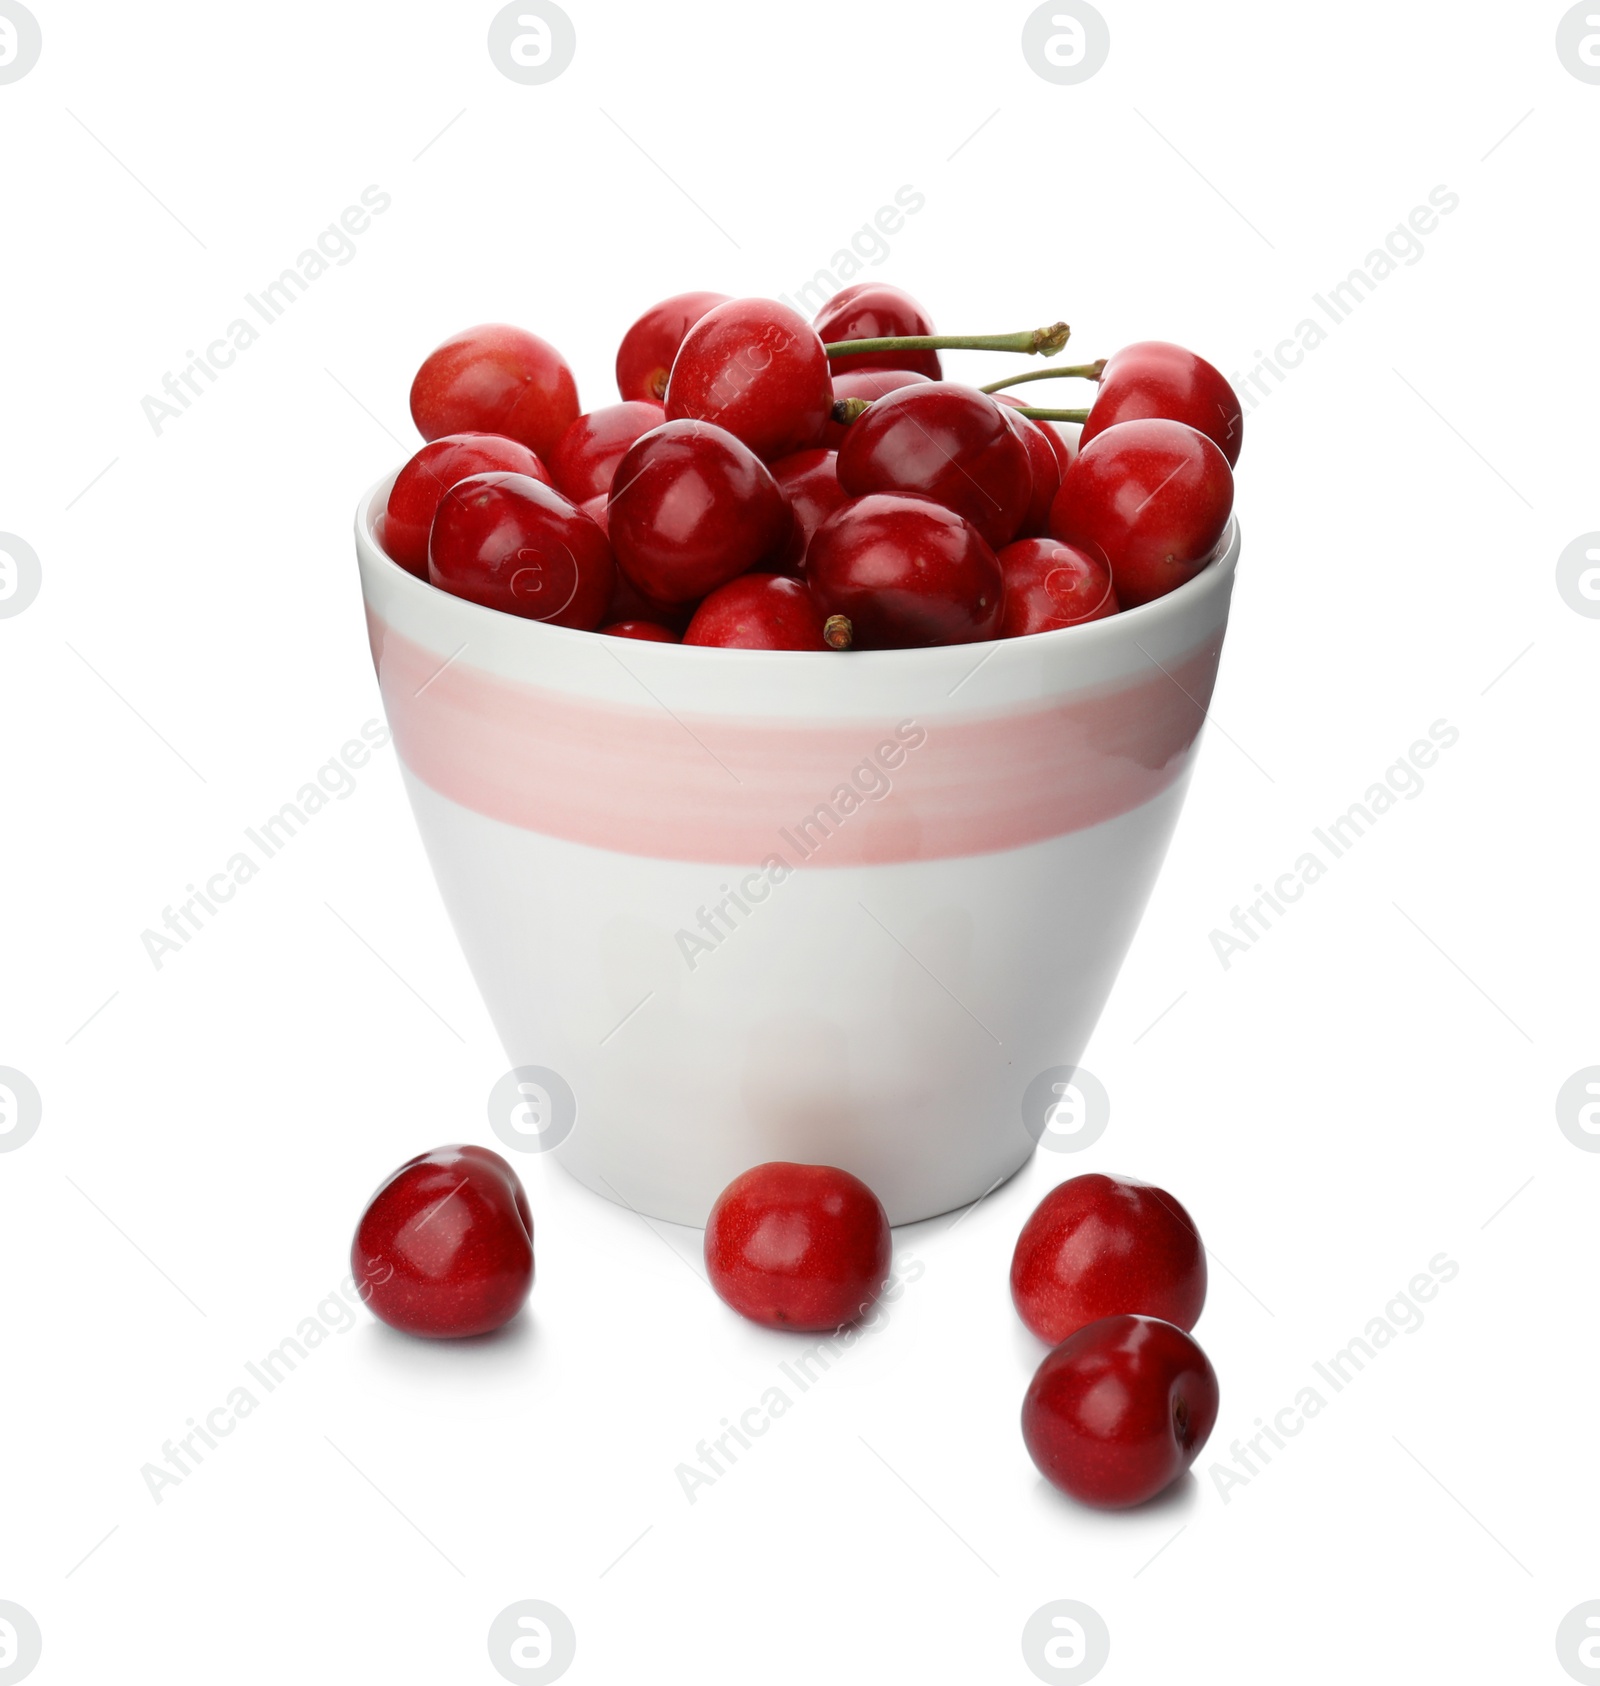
(868, 384)
(756, 368)
(873, 310)
(1050, 585)
(628, 603)
(1154, 379)
(1044, 459)
(586, 458)
(431, 473)
(1120, 1410)
(810, 481)
(495, 379)
(512, 543)
(803, 1247)
(644, 359)
(1098, 1245)
(445, 1247)
(691, 508)
(758, 612)
(647, 632)
(1153, 496)
(905, 572)
(950, 443)
(596, 509)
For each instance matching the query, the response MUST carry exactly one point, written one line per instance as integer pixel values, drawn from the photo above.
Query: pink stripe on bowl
(739, 791)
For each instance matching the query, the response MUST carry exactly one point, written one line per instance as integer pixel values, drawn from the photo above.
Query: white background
(1367, 1087)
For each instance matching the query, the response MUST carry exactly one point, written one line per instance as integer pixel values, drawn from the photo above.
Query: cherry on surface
(644, 359)
(585, 458)
(802, 1247)
(512, 543)
(905, 572)
(1098, 1245)
(1155, 379)
(757, 369)
(873, 310)
(1118, 1411)
(691, 508)
(445, 1246)
(758, 612)
(496, 379)
(414, 500)
(1153, 496)
(950, 443)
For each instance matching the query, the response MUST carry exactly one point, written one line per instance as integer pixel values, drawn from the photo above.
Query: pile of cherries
(1109, 1271)
(769, 483)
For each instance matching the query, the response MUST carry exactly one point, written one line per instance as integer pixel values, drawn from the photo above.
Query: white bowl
(753, 905)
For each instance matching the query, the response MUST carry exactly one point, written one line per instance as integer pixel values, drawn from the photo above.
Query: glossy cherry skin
(644, 359)
(1119, 1410)
(431, 473)
(445, 1247)
(1099, 1245)
(691, 508)
(585, 460)
(496, 379)
(512, 543)
(758, 612)
(1050, 584)
(628, 603)
(1154, 496)
(810, 481)
(804, 1247)
(907, 573)
(868, 384)
(647, 632)
(952, 444)
(756, 368)
(1155, 379)
(1044, 461)
(873, 310)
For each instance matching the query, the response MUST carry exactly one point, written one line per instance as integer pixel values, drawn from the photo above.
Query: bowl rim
(1215, 577)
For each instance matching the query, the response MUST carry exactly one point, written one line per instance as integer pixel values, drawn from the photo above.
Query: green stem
(1056, 415)
(1033, 342)
(1079, 371)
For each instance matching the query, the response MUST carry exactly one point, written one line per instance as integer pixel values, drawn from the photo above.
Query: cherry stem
(1079, 371)
(1033, 342)
(837, 632)
(845, 410)
(1055, 415)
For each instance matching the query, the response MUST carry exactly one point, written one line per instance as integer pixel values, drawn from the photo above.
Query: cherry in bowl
(445, 1246)
(512, 543)
(1153, 497)
(691, 508)
(644, 359)
(423, 482)
(496, 379)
